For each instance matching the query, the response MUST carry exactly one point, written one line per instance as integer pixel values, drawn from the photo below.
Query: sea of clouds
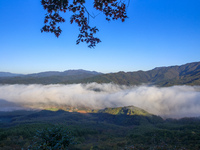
(174, 102)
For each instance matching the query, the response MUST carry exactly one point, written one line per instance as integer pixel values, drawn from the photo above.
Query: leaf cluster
(112, 9)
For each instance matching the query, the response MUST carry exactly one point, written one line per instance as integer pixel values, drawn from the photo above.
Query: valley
(143, 110)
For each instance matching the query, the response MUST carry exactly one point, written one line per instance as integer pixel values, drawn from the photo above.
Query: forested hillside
(188, 74)
(111, 128)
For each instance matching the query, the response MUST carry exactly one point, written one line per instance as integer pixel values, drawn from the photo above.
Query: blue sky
(157, 33)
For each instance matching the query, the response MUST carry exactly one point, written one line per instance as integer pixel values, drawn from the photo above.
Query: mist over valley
(148, 90)
(114, 110)
(170, 102)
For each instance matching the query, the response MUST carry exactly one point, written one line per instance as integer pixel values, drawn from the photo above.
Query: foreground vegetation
(100, 130)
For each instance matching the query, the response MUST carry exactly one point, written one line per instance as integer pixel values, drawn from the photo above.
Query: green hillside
(129, 110)
(188, 74)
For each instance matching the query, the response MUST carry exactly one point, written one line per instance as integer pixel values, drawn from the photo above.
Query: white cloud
(176, 101)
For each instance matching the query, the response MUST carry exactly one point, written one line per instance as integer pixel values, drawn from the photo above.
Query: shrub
(52, 139)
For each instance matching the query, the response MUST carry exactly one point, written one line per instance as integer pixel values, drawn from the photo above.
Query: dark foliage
(97, 131)
(112, 9)
(52, 138)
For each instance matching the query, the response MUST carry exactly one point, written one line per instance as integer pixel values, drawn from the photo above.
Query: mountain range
(187, 74)
(8, 74)
(49, 77)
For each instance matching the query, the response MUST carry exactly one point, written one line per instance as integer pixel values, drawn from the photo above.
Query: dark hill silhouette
(137, 117)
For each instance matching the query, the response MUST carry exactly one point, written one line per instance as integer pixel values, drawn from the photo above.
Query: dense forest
(111, 128)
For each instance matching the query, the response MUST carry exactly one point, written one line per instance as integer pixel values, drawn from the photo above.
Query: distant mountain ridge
(48, 77)
(187, 74)
(64, 73)
(8, 74)
(50, 73)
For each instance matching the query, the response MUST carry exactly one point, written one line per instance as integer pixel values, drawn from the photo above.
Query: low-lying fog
(174, 102)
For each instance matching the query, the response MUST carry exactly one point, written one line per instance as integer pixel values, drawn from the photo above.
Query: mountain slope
(128, 110)
(188, 74)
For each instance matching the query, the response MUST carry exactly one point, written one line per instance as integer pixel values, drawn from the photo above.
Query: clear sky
(157, 33)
